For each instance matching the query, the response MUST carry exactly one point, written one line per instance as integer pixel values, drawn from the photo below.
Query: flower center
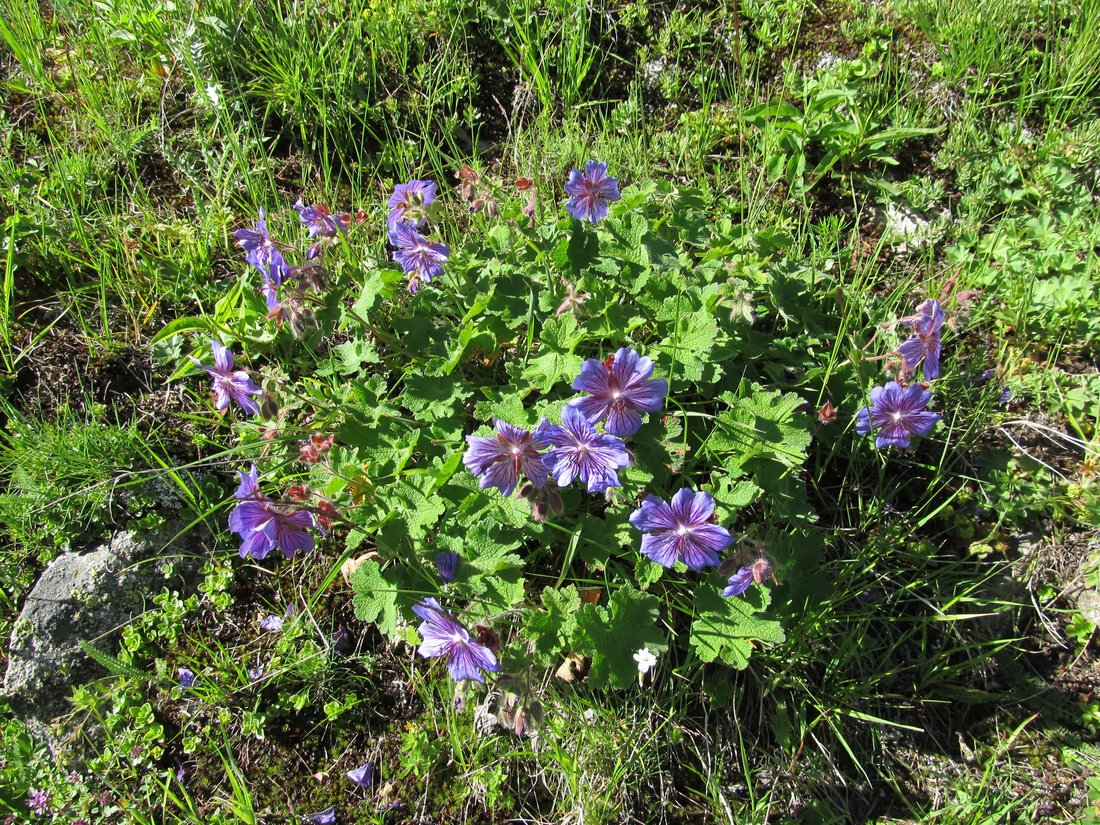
(896, 416)
(516, 449)
(683, 530)
(616, 395)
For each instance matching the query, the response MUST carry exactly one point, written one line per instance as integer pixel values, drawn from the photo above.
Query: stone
(90, 596)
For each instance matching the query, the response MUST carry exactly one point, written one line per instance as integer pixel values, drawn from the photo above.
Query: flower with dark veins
(897, 414)
(499, 460)
(926, 341)
(580, 452)
(590, 191)
(409, 203)
(230, 384)
(442, 637)
(420, 258)
(681, 530)
(620, 389)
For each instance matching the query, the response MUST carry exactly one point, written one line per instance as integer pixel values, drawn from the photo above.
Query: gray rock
(90, 596)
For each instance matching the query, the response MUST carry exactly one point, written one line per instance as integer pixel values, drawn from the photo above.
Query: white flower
(214, 93)
(646, 660)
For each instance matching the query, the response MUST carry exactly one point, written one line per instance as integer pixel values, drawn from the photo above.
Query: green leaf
(376, 596)
(552, 628)
(693, 338)
(612, 635)
(434, 397)
(763, 424)
(560, 336)
(728, 628)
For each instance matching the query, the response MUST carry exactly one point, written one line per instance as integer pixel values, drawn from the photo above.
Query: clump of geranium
(899, 409)
(420, 258)
(285, 288)
(264, 525)
(619, 391)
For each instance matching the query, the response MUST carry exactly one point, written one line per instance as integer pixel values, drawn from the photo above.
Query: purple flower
(500, 460)
(263, 525)
(230, 384)
(325, 817)
(250, 485)
(739, 582)
(925, 342)
(447, 565)
(443, 636)
(272, 624)
(409, 203)
(269, 285)
(896, 414)
(620, 390)
(319, 222)
(681, 531)
(255, 674)
(590, 191)
(417, 255)
(362, 776)
(39, 801)
(260, 250)
(579, 451)
(186, 677)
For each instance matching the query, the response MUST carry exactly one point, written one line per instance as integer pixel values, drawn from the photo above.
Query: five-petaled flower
(230, 384)
(325, 817)
(620, 390)
(499, 460)
(443, 637)
(646, 660)
(263, 525)
(320, 222)
(589, 192)
(926, 340)
(409, 203)
(418, 256)
(580, 452)
(896, 414)
(681, 531)
(186, 677)
(260, 250)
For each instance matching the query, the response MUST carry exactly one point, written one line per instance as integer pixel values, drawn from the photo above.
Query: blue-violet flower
(499, 461)
(580, 452)
(897, 414)
(926, 341)
(443, 637)
(620, 390)
(260, 251)
(418, 256)
(739, 582)
(319, 221)
(362, 776)
(409, 202)
(230, 384)
(681, 531)
(447, 565)
(589, 192)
